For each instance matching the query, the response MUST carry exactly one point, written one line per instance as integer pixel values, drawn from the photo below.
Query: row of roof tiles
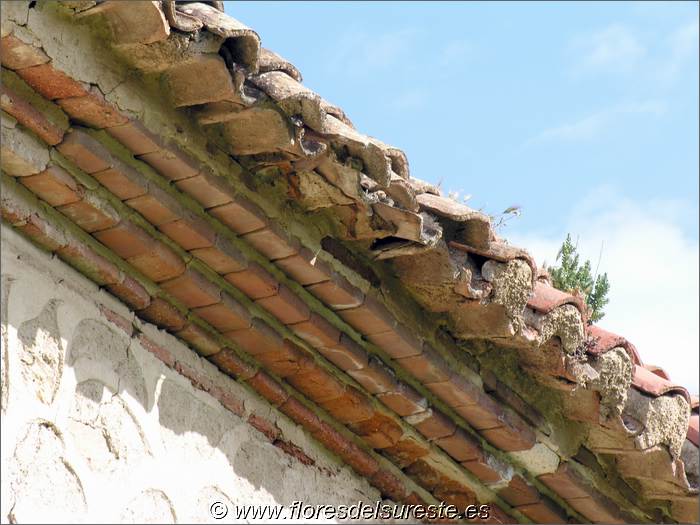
(191, 288)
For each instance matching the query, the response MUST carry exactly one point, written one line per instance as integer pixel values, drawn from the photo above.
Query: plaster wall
(96, 428)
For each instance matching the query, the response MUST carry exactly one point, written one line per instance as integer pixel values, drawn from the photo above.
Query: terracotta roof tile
(286, 134)
(17, 54)
(254, 281)
(92, 110)
(546, 298)
(242, 217)
(54, 186)
(605, 341)
(30, 117)
(650, 383)
(51, 83)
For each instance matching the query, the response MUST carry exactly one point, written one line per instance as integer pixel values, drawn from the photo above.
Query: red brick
(330, 438)
(15, 54)
(94, 266)
(389, 485)
(160, 352)
(272, 243)
(122, 180)
(221, 257)
(404, 400)
(159, 263)
(300, 414)
(286, 360)
(519, 492)
(432, 424)
(51, 83)
(294, 451)
(152, 257)
(124, 324)
(41, 232)
(134, 136)
(346, 355)
(483, 468)
(460, 446)
(513, 436)
(456, 391)
(566, 483)
(428, 367)
(156, 206)
(543, 512)
(92, 110)
(285, 306)
(189, 233)
(240, 215)
(54, 186)
(376, 378)
(455, 493)
(267, 387)
(254, 281)
(496, 515)
(379, 431)
(397, 343)
(337, 293)
(370, 318)
(482, 415)
(318, 332)
(226, 315)
(131, 292)
(228, 362)
(406, 451)
(88, 154)
(90, 214)
(359, 460)
(171, 163)
(256, 339)
(598, 509)
(351, 407)
(163, 315)
(316, 383)
(192, 289)
(201, 340)
(125, 239)
(262, 425)
(30, 117)
(304, 267)
(207, 189)
(228, 400)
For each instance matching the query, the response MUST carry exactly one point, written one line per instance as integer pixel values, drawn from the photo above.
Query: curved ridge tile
(546, 298)
(243, 42)
(602, 341)
(652, 384)
(271, 61)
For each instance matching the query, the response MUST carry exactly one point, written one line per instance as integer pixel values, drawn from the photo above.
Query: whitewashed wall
(96, 429)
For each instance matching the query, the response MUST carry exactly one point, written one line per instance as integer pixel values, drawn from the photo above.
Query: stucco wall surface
(95, 428)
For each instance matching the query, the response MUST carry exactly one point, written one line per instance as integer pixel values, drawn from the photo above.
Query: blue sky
(584, 114)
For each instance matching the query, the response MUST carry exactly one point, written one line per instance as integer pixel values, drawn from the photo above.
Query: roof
(228, 204)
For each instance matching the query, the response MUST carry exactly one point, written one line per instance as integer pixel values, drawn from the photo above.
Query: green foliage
(571, 276)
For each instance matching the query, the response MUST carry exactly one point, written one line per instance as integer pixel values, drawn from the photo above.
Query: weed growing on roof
(572, 277)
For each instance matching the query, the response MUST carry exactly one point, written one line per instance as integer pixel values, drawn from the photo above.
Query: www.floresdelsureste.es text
(378, 510)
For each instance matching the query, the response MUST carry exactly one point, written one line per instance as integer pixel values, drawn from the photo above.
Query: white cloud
(357, 50)
(615, 48)
(593, 125)
(653, 270)
(683, 47)
(409, 100)
(454, 53)
(659, 58)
